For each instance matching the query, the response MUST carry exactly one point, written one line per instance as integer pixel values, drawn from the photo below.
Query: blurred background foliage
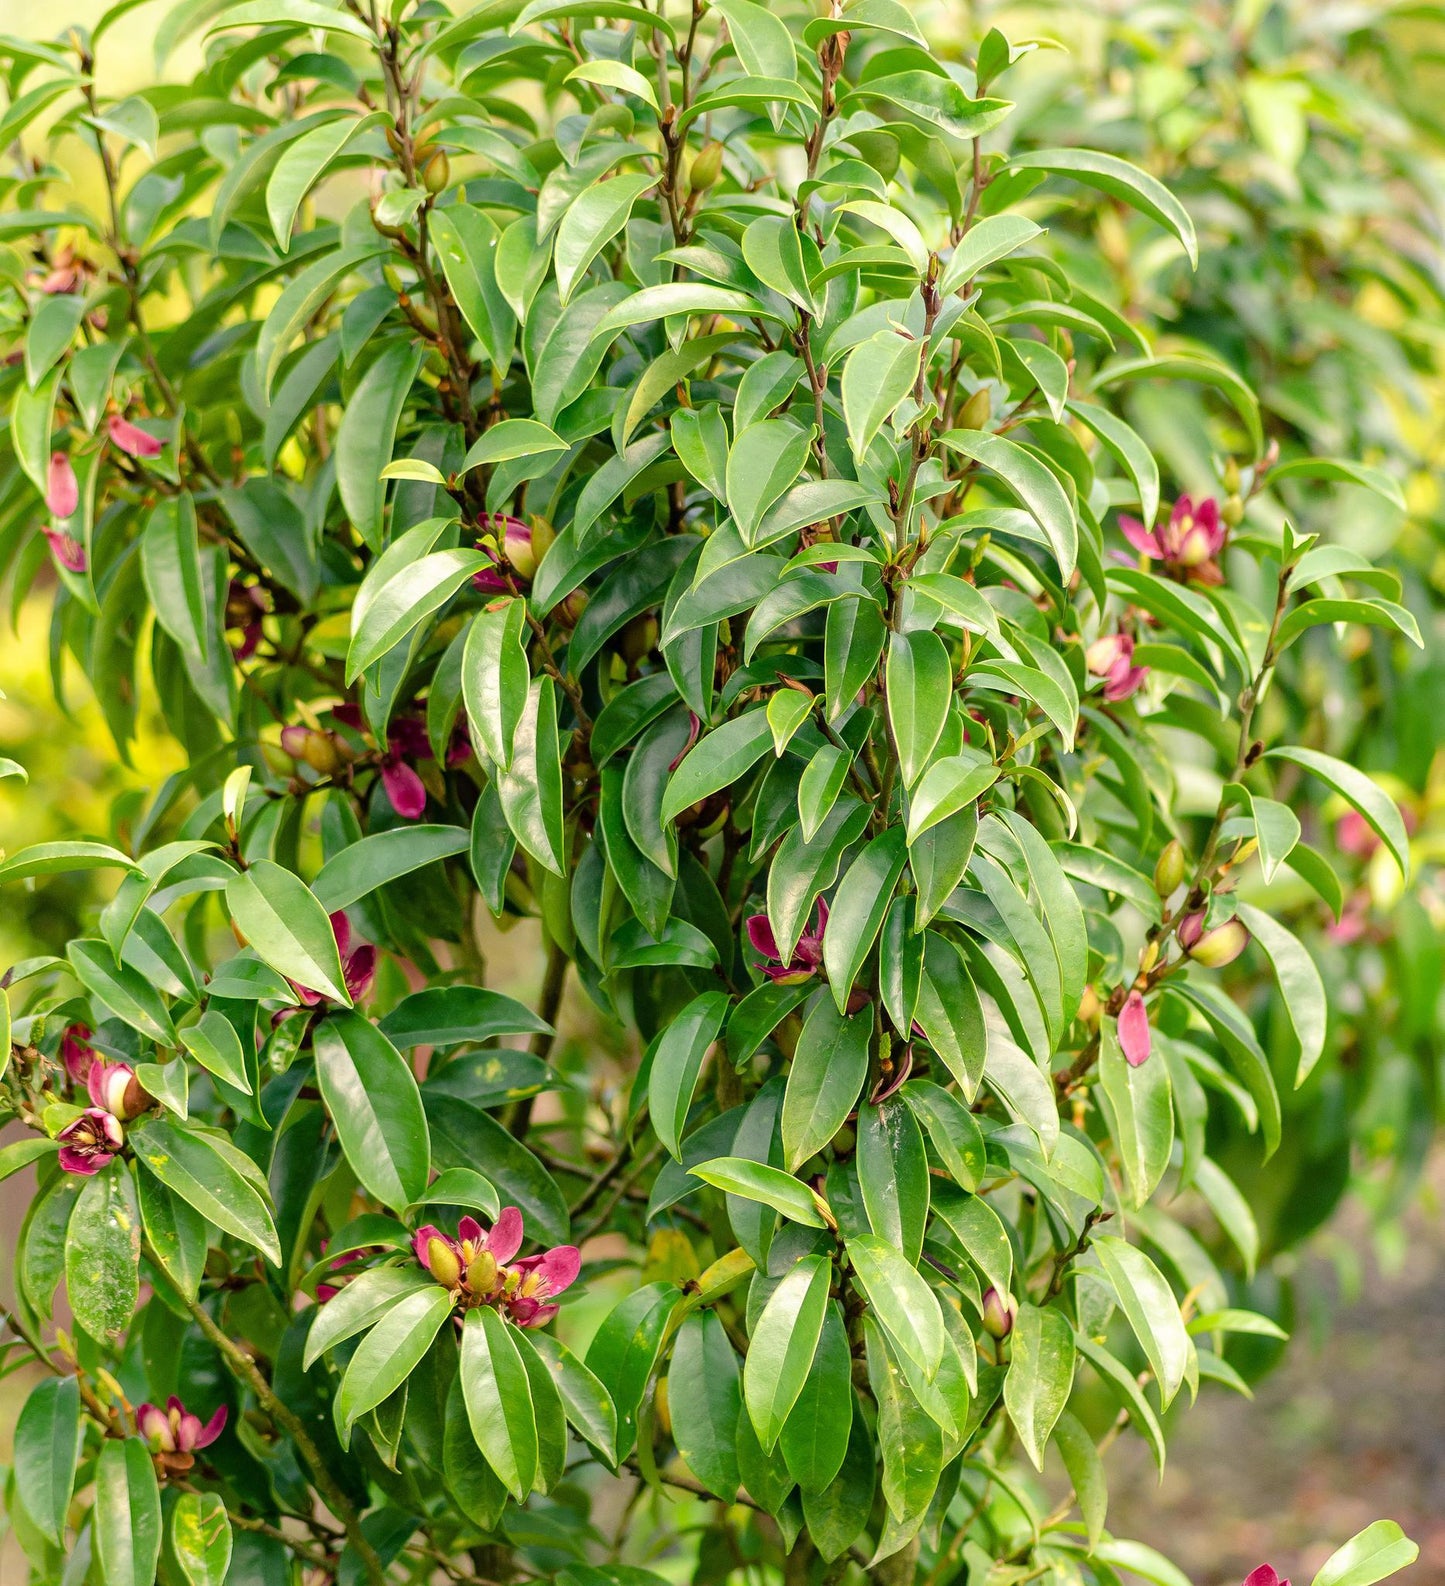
(1308, 141)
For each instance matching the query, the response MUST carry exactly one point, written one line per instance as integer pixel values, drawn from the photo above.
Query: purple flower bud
(1221, 946)
(131, 439)
(62, 493)
(68, 552)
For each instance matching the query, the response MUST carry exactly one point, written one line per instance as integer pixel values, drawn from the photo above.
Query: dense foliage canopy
(711, 482)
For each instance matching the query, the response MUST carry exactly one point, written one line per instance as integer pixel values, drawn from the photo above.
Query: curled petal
(760, 934)
(1123, 681)
(1134, 1036)
(527, 1313)
(341, 930)
(404, 788)
(154, 1425)
(76, 1052)
(211, 1430)
(82, 1163)
(558, 1268)
(1140, 537)
(66, 549)
(505, 1239)
(360, 971)
(131, 439)
(62, 493)
(469, 1230)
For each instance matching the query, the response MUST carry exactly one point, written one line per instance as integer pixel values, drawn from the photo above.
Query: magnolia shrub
(643, 468)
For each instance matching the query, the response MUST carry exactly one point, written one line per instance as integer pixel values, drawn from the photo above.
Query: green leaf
(937, 100)
(52, 329)
(1040, 1375)
(360, 1305)
(717, 761)
(814, 1438)
(48, 1440)
(1116, 177)
(286, 925)
(824, 1081)
(304, 162)
(406, 600)
(1378, 810)
(762, 40)
(126, 1529)
(390, 1352)
(362, 867)
(367, 433)
(625, 1349)
(171, 569)
(764, 461)
(1278, 829)
(879, 373)
(372, 1096)
(585, 1401)
(1300, 987)
(1369, 1556)
(510, 439)
(678, 297)
(945, 788)
(466, 243)
(1031, 482)
(126, 992)
(446, 1015)
(592, 220)
(677, 1061)
(901, 1301)
(1205, 370)
(893, 1174)
(496, 678)
(295, 13)
(770, 1186)
(952, 1129)
(1153, 1312)
(1140, 1111)
(498, 1398)
(858, 908)
(1345, 469)
(216, 1046)
(201, 1537)
(1086, 1473)
(211, 1175)
(530, 790)
(780, 1351)
(950, 1014)
(1363, 613)
(919, 680)
(704, 1396)
(990, 239)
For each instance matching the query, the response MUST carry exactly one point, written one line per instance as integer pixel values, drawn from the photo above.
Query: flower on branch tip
(1112, 658)
(90, 1142)
(1134, 1036)
(807, 956)
(175, 1434)
(114, 1088)
(62, 491)
(1213, 948)
(1187, 544)
(1264, 1575)
(131, 438)
(479, 1266)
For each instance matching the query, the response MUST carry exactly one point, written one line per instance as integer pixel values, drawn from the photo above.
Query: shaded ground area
(1351, 1429)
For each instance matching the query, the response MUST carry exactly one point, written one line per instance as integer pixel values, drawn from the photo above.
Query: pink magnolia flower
(62, 490)
(807, 956)
(480, 1267)
(1264, 1575)
(76, 1052)
(175, 1434)
(515, 539)
(91, 1142)
(531, 1283)
(1214, 948)
(406, 744)
(68, 552)
(358, 968)
(1134, 1035)
(114, 1088)
(1112, 658)
(131, 439)
(1187, 544)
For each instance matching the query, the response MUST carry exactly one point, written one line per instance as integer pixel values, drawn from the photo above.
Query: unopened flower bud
(1232, 511)
(1191, 928)
(1220, 946)
(1230, 477)
(637, 638)
(999, 1311)
(977, 410)
(707, 167)
(437, 173)
(442, 1261)
(1090, 1008)
(1169, 871)
(568, 612)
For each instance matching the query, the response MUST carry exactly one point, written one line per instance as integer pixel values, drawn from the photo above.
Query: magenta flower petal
(760, 934)
(533, 1315)
(360, 971)
(1134, 1036)
(62, 493)
(1140, 537)
(154, 1425)
(404, 788)
(131, 439)
(469, 1229)
(505, 1239)
(211, 1430)
(558, 1268)
(421, 1240)
(1264, 1575)
(83, 1163)
(66, 549)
